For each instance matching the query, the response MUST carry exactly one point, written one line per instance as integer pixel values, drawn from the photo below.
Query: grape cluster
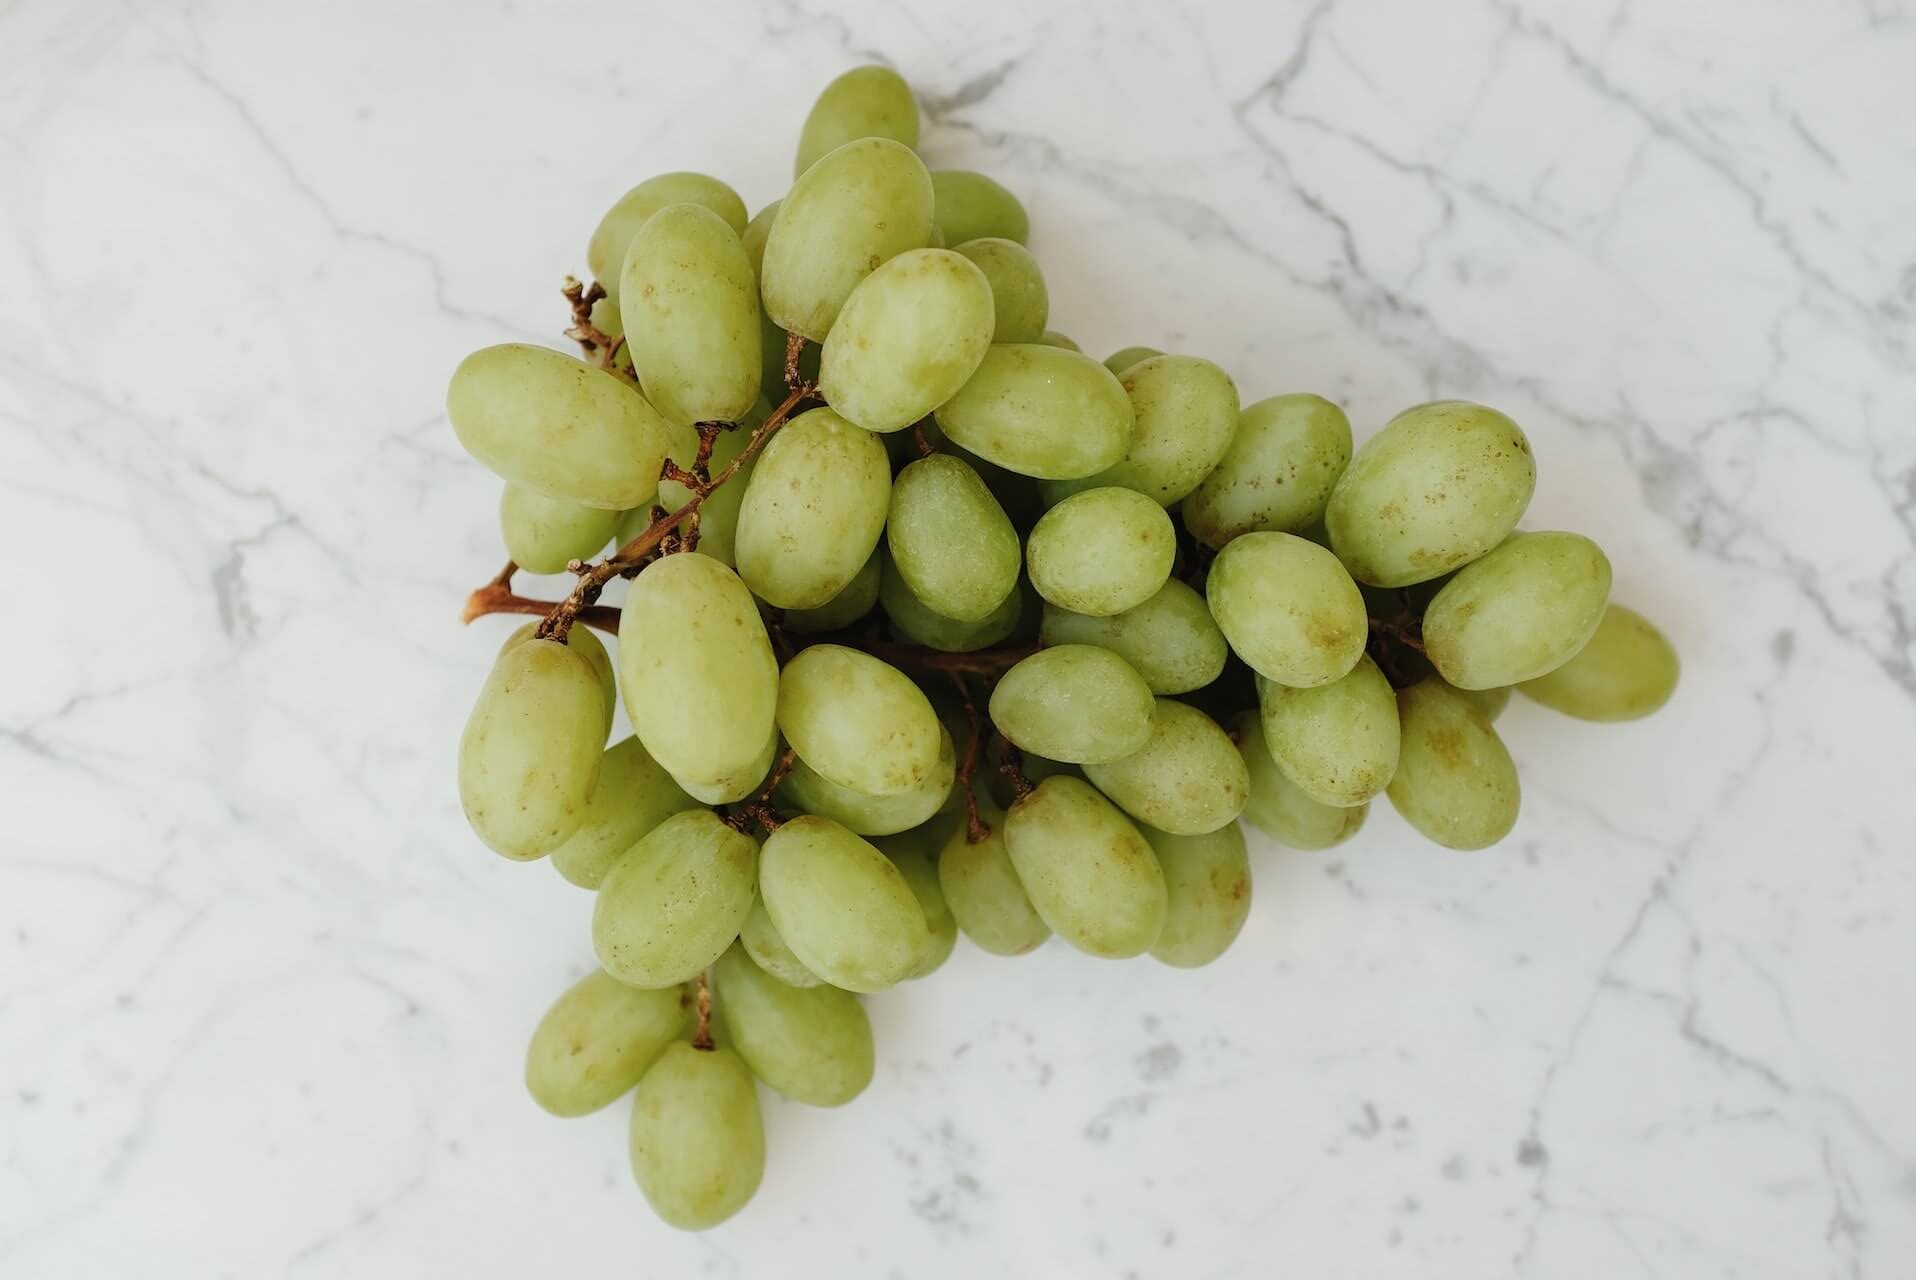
(937, 625)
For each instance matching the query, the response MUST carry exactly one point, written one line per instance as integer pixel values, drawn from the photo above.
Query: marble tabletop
(263, 998)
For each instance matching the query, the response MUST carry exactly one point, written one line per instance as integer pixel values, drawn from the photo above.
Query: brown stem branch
(976, 828)
(759, 808)
(1011, 765)
(794, 346)
(600, 347)
(702, 1038)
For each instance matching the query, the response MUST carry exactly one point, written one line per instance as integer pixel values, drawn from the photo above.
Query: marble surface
(263, 999)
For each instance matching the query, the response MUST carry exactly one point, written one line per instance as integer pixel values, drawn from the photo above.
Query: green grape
(582, 641)
(1186, 414)
(1052, 338)
(844, 909)
(1171, 639)
(1017, 494)
(906, 339)
(735, 786)
(1088, 872)
(756, 232)
(1102, 551)
(597, 1040)
(813, 512)
(1455, 782)
(908, 855)
(916, 622)
(1338, 741)
(605, 253)
(1440, 485)
(857, 208)
(1123, 358)
(804, 788)
(1020, 302)
(675, 901)
(853, 601)
(530, 753)
(763, 942)
(1277, 474)
(633, 795)
(718, 514)
(690, 305)
(544, 534)
(1288, 609)
(859, 722)
(697, 1138)
(865, 102)
(974, 207)
(1207, 880)
(1186, 779)
(983, 892)
(812, 1044)
(700, 681)
(1520, 612)
(605, 317)
(1040, 411)
(558, 426)
(1489, 701)
(1627, 670)
(1076, 703)
(1278, 807)
(950, 541)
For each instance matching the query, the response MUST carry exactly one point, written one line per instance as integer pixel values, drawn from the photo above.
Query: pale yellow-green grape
(1277, 474)
(544, 534)
(907, 338)
(805, 789)
(597, 1040)
(727, 789)
(606, 319)
(1076, 702)
(1627, 670)
(700, 681)
(857, 208)
(916, 622)
(1186, 414)
(583, 641)
(1021, 304)
(1440, 485)
(1171, 639)
(763, 942)
(1052, 338)
(605, 253)
(914, 863)
(984, 893)
(1123, 358)
(1186, 779)
(1102, 551)
(718, 514)
(1041, 411)
(865, 102)
(1207, 879)
(950, 541)
(853, 601)
(697, 1138)
(1520, 612)
(689, 299)
(859, 722)
(675, 901)
(971, 206)
(756, 232)
(812, 1044)
(1338, 741)
(1088, 872)
(1278, 807)
(558, 426)
(842, 907)
(813, 511)
(530, 753)
(1489, 701)
(1455, 781)
(1288, 608)
(633, 795)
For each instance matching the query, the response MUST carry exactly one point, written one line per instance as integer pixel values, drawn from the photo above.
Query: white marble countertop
(263, 999)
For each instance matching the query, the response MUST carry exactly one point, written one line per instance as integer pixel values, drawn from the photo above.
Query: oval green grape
(558, 426)
(1124, 357)
(756, 232)
(1440, 485)
(763, 942)
(858, 721)
(865, 102)
(1489, 701)
(1020, 302)
(1075, 702)
(805, 789)
(1626, 671)
(605, 253)
(950, 541)
(1088, 872)
(813, 511)
(1277, 474)
(1278, 807)
(907, 338)
(597, 1040)
(697, 1139)
(633, 795)
(971, 206)
(1052, 338)
(1455, 781)
(1171, 639)
(812, 1044)
(1040, 411)
(842, 907)
(1338, 741)
(1186, 779)
(1185, 410)
(1101, 551)
(983, 891)
(1207, 880)
(689, 301)
(530, 752)
(1520, 612)
(584, 642)
(675, 901)
(915, 621)
(853, 601)
(544, 535)
(1288, 609)
(908, 855)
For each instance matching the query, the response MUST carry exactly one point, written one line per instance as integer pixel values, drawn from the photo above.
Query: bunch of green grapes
(971, 633)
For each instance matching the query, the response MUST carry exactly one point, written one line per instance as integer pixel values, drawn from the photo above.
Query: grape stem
(601, 348)
(759, 808)
(976, 828)
(702, 1038)
(1011, 765)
